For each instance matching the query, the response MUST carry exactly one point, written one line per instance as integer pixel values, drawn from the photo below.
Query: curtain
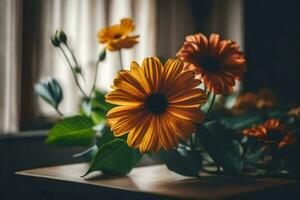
(9, 64)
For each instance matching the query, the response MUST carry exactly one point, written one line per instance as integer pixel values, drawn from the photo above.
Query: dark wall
(272, 33)
(25, 151)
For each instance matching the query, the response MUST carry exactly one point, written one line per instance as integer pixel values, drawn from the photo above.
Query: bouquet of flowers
(185, 110)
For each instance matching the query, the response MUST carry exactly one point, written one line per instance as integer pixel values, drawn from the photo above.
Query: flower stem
(120, 58)
(95, 78)
(73, 72)
(72, 54)
(192, 144)
(59, 112)
(74, 59)
(211, 103)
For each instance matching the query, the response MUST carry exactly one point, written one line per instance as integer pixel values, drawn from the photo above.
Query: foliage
(115, 157)
(50, 91)
(72, 131)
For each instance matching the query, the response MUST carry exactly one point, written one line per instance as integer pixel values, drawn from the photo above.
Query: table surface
(158, 180)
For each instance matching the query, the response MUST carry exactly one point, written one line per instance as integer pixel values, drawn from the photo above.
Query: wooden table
(152, 182)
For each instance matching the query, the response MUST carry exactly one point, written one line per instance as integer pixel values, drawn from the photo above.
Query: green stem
(72, 54)
(192, 145)
(211, 103)
(74, 59)
(95, 78)
(73, 72)
(59, 112)
(120, 57)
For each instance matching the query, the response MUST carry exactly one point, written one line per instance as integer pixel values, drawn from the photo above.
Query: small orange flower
(265, 98)
(218, 63)
(288, 139)
(118, 36)
(157, 105)
(272, 131)
(295, 112)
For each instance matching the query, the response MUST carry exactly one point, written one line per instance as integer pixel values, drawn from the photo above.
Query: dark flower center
(117, 36)
(275, 135)
(157, 103)
(210, 64)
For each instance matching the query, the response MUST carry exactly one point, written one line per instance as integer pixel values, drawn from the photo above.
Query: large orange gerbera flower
(218, 63)
(118, 36)
(157, 105)
(272, 131)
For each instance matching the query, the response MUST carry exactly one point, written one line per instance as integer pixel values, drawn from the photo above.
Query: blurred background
(267, 31)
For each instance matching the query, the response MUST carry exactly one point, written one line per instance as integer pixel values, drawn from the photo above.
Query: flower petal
(137, 134)
(152, 68)
(127, 26)
(172, 70)
(120, 97)
(192, 114)
(167, 132)
(138, 73)
(191, 98)
(127, 82)
(151, 138)
(127, 122)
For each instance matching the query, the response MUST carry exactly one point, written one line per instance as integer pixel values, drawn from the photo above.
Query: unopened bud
(54, 41)
(102, 55)
(61, 36)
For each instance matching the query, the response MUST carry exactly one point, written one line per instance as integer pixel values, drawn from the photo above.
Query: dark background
(272, 46)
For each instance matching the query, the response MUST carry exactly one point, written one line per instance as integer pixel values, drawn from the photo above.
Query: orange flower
(265, 98)
(157, 105)
(288, 139)
(118, 36)
(218, 63)
(295, 112)
(272, 131)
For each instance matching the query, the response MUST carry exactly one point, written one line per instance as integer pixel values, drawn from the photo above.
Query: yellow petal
(120, 97)
(127, 26)
(191, 98)
(151, 137)
(152, 68)
(127, 122)
(167, 134)
(193, 114)
(137, 134)
(184, 82)
(184, 128)
(171, 71)
(135, 90)
(138, 73)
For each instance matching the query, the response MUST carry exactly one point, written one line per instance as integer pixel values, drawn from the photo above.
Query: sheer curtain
(9, 64)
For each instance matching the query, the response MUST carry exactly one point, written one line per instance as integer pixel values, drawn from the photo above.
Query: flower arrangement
(179, 109)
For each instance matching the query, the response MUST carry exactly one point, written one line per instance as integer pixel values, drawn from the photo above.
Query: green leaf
(223, 149)
(96, 108)
(115, 157)
(50, 90)
(98, 102)
(105, 137)
(72, 131)
(182, 161)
